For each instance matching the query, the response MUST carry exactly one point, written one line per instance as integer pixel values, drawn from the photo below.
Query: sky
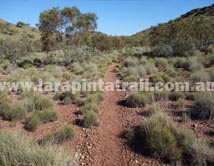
(116, 17)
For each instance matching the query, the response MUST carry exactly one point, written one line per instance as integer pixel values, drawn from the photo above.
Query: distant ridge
(2, 21)
(208, 11)
(205, 11)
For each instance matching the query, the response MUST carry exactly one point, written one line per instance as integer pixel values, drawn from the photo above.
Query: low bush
(90, 119)
(131, 72)
(17, 112)
(67, 97)
(161, 63)
(77, 68)
(200, 76)
(11, 112)
(190, 96)
(153, 109)
(203, 106)
(196, 63)
(37, 118)
(175, 96)
(65, 133)
(196, 66)
(161, 96)
(131, 62)
(25, 64)
(89, 107)
(18, 150)
(211, 60)
(211, 74)
(161, 78)
(95, 98)
(35, 101)
(149, 69)
(185, 117)
(136, 100)
(37, 62)
(182, 47)
(163, 50)
(154, 138)
(199, 153)
(171, 71)
(32, 123)
(156, 79)
(182, 63)
(47, 116)
(159, 137)
(179, 103)
(192, 64)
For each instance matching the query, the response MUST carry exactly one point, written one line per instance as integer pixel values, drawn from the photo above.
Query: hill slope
(187, 19)
(11, 31)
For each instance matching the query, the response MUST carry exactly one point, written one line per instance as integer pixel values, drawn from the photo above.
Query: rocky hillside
(192, 16)
(19, 31)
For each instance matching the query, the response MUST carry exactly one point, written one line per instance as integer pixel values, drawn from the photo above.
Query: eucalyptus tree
(56, 24)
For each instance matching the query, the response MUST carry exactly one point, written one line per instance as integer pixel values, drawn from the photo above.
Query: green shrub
(175, 96)
(20, 24)
(131, 62)
(163, 50)
(57, 96)
(149, 69)
(47, 116)
(211, 60)
(95, 98)
(136, 100)
(35, 101)
(159, 137)
(89, 107)
(200, 76)
(90, 119)
(162, 144)
(77, 68)
(185, 117)
(184, 138)
(182, 63)
(196, 63)
(171, 71)
(153, 109)
(190, 96)
(25, 64)
(156, 79)
(32, 123)
(203, 106)
(161, 78)
(67, 97)
(183, 46)
(67, 100)
(131, 72)
(37, 118)
(37, 62)
(17, 112)
(196, 66)
(155, 137)
(161, 63)
(12, 112)
(160, 96)
(65, 133)
(179, 103)
(18, 150)
(199, 153)
(4, 98)
(211, 74)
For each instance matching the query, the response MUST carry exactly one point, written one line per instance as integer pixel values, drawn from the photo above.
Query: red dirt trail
(104, 144)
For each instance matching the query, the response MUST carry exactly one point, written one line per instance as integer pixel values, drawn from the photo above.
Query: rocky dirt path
(104, 145)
